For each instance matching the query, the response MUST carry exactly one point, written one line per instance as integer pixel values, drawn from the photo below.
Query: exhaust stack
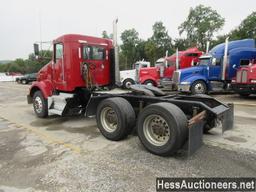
(207, 46)
(177, 59)
(225, 60)
(117, 71)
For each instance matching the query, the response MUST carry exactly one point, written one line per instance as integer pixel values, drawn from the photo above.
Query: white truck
(128, 77)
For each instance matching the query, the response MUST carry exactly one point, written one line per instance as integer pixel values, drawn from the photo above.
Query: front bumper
(244, 88)
(184, 87)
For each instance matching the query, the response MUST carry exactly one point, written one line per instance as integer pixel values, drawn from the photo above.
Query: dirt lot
(69, 154)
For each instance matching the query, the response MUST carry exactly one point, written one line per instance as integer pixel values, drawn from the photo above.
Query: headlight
(253, 81)
(233, 81)
(185, 83)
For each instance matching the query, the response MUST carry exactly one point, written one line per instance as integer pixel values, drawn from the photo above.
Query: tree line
(200, 26)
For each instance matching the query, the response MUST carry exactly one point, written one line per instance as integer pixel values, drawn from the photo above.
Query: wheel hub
(38, 105)
(109, 119)
(156, 130)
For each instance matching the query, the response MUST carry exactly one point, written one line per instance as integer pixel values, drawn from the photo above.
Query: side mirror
(36, 49)
(234, 66)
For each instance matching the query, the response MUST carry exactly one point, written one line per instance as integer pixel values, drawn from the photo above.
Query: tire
(174, 122)
(199, 87)
(244, 94)
(40, 105)
(116, 111)
(24, 82)
(127, 83)
(149, 82)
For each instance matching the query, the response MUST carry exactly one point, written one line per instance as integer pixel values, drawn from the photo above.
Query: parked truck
(128, 77)
(162, 72)
(217, 68)
(83, 77)
(245, 81)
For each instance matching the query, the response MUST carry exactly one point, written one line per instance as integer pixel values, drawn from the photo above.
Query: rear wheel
(40, 104)
(244, 94)
(199, 87)
(127, 83)
(149, 82)
(162, 128)
(24, 81)
(115, 118)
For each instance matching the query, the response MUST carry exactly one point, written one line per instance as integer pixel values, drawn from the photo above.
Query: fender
(44, 86)
(147, 77)
(193, 78)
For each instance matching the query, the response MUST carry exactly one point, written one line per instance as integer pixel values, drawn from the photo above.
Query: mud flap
(228, 118)
(195, 132)
(195, 137)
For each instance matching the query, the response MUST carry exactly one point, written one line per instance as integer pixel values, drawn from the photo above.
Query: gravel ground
(69, 154)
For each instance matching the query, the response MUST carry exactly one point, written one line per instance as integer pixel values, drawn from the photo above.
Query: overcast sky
(20, 19)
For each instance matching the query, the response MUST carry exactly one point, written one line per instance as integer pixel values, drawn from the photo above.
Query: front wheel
(162, 128)
(40, 104)
(149, 82)
(199, 87)
(127, 83)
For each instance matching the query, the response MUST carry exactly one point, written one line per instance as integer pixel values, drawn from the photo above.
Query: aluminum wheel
(38, 103)
(128, 84)
(108, 119)
(156, 130)
(199, 88)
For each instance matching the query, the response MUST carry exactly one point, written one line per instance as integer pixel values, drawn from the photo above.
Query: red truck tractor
(163, 71)
(245, 81)
(83, 78)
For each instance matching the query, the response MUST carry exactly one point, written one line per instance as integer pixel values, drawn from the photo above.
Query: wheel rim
(199, 88)
(38, 104)
(149, 83)
(156, 130)
(108, 119)
(128, 84)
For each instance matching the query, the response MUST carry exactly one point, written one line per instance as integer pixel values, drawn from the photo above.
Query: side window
(94, 53)
(58, 51)
(192, 55)
(244, 62)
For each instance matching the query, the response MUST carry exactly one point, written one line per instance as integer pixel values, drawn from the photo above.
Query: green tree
(105, 35)
(130, 39)
(247, 28)
(161, 39)
(201, 24)
(151, 51)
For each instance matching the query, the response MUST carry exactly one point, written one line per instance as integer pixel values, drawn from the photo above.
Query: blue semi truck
(217, 67)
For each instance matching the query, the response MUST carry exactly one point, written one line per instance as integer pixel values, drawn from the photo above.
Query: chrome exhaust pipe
(117, 71)
(225, 60)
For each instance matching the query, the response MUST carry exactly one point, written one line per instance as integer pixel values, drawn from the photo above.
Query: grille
(176, 77)
(241, 76)
(238, 76)
(244, 76)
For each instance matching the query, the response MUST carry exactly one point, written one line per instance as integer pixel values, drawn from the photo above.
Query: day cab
(218, 67)
(162, 72)
(245, 81)
(83, 79)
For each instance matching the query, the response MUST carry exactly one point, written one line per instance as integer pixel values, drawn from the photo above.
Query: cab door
(215, 70)
(95, 58)
(58, 66)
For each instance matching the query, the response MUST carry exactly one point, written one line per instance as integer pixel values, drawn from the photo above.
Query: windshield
(159, 64)
(204, 61)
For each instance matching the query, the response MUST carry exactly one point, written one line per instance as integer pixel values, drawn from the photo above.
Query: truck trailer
(217, 68)
(82, 79)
